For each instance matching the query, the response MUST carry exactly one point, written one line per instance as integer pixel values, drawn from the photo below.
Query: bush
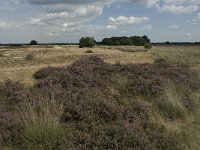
(147, 46)
(29, 57)
(86, 42)
(9, 129)
(33, 42)
(89, 51)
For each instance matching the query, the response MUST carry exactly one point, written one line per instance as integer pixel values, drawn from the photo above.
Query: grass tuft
(41, 123)
(171, 105)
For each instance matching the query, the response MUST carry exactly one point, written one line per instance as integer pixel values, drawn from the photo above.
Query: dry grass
(178, 54)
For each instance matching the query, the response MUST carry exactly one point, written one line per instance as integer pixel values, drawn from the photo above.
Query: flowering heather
(104, 106)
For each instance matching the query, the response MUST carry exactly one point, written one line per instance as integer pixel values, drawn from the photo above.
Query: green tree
(33, 42)
(107, 41)
(86, 42)
(117, 43)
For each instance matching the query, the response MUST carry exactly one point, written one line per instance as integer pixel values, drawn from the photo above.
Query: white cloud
(174, 27)
(172, 6)
(146, 28)
(149, 3)
(188, 34)
(64, 15)
(113, 27)
(179, 9)
(182, 2)
(10, 25)
(127, 20)
(198, 16)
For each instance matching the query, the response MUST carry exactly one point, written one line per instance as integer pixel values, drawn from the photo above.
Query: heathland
(106, 97)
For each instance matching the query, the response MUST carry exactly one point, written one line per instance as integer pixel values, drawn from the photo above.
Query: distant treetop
(33, 42)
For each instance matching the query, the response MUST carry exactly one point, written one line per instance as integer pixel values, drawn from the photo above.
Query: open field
(166, 115)
(14, 65)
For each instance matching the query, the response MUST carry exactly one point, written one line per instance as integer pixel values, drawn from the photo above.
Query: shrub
(9, 129)
(40, 122)
(29, 57)
(11, 94)
(33, 42)
(147, 46)
(89, 51)
(86, 42)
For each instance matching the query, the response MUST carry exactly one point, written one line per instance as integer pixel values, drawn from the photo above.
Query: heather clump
(9, 129)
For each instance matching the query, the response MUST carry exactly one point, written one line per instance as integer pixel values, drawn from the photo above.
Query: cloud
(198, 16)
(146, 28)
(149, 3)
(179, 9)
(64, 14)
(11, 25)
(188, 34)
(113, 27)
(174, 27)
(53, 2)
(172, 6)
(121, 20)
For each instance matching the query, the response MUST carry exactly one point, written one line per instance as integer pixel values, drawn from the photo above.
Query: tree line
(133, 40)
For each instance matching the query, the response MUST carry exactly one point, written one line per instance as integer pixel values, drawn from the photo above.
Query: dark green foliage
(134, 40)
(86, 42)
(108, 41)
(167, 43)
(33, 42)
(117, 43)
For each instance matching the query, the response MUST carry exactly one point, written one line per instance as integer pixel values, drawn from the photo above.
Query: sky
(68, 20)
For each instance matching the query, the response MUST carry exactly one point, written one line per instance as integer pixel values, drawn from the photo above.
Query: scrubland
(115, 97)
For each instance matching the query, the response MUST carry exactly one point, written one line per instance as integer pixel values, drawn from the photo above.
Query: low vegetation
(92, 104)
(147, 46)
(29, 57)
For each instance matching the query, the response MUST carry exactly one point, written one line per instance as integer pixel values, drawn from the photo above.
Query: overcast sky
(68, 20)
